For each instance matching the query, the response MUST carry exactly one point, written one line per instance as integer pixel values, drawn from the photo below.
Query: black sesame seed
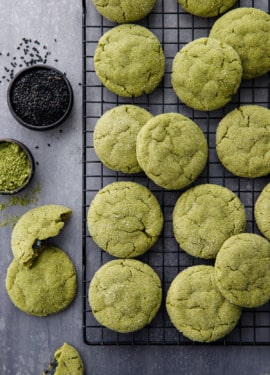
(40, 97)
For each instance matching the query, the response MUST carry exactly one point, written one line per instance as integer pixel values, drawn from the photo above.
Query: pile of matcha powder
(15, 167)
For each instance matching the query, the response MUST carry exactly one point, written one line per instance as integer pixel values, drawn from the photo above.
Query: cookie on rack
(129, 60)
(204, 217)
(206, 73)
(242, 270)
(67, 360)
(206, 8)
(46, 288)
(243, 141)
(125, 219)
(115, 137)
(34, 228)
(197, 308)
(247, 30)
(124, 11)
(125, 295)
(172, 150)
(262, 211)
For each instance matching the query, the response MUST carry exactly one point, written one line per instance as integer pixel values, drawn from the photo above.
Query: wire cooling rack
(174, 28)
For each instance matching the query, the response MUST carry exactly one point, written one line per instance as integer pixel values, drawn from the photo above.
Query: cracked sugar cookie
(243, 141)
(46, 288)
(204, 217)
(115, 137)
(172, 150)
(129, 60)
(67, 361)
(197, 308)
(206, 8)
(125, 295)
(206, 73)
(242, 270)
(247, 30)
(262, 211)
(123, 11)
(32, 230)
(125, 219)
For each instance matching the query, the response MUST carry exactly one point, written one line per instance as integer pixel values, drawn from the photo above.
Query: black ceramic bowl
(11, 172)
(40, 97)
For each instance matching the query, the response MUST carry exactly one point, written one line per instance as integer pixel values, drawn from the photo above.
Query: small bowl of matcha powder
(40, 97)
(16, 166)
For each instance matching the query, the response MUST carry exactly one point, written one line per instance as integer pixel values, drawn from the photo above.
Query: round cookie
(125, 295)
(122, 11)
(242, 270)
(172, 150)
(206, 8)
(206, 73)
(204, 217)
(67, 360)
(115, 137)
(247, 30)
(34, 228)
(196, 307)
(129, 60)
(262, 211)
(125, 219)
(46, 288)
(243, 141)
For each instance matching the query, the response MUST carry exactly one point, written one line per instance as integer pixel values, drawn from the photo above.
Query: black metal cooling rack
(174, 28)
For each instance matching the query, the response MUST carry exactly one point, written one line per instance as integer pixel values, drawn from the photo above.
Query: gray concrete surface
(26, 342)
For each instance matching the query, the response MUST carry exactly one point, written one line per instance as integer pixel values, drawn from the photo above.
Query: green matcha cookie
(48, 287)
(125, 219)
(67, 361)
(129, 60)
(206, 8)
(242, 270)
(247, 30)
(206, 73)
(172, 150)
(262, 211)
(243, 141)
(122, 11)
(34, 228)
(196, 307)
(115, 137)
(125, 295)
(204, 217)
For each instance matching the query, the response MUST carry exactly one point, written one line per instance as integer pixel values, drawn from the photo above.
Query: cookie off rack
(174, 28)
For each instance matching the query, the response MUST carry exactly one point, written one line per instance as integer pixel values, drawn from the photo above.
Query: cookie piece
(125, 295)
(122, 11)
(48, 287)
(247, 30)
(206, 73)
(115, 137)
(204, 217)
(197, 308)
(172, 150)
(242, 270)
(67, 361)
(243, 141)
(262, 211)
(125, 219)
(129, 60)
(206, 8)
(34, 228)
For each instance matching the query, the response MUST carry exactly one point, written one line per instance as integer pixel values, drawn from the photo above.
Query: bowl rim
(18, 118)
(32, 164)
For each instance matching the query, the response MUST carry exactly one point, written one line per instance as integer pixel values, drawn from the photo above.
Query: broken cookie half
(66, 361)
(33, 229)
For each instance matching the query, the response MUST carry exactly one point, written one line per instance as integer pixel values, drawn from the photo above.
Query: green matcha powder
(15, 167)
